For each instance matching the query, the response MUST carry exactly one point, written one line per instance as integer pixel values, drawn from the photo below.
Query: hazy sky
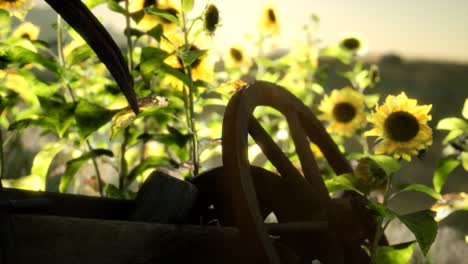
(429, 29)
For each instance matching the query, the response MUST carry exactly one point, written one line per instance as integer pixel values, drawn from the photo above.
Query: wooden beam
(52, 239)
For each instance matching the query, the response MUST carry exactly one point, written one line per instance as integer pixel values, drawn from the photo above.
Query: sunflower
(17, 8)
(268, 23)
(352, 43)
(202, 67)
(369, 175)
(211, 19)
(401, 126)
(149, 21)
(344, 111)
(27, 30)
(237, 57)
(12, 4)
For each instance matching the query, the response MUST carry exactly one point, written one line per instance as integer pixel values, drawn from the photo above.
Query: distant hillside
(444, 85)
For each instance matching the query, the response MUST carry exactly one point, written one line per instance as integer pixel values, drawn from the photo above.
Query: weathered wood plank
(165, 199)
(52, 239)
(51, 203)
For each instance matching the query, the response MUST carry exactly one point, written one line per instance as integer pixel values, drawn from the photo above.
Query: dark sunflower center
(271, 16)
(351, 43)
(236, 54)
(344, 112)
(149, 3)
(401, 126)
(26, 36)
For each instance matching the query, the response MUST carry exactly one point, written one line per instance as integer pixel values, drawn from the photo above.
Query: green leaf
(336, 52)
(38, 87)
(465, 109)
(8, 101)
(189, 56)
(452, 123)
(444, 168)
(151, 61)
(421, 188)
(29, 182)
(395, 254)
(178, 73)
(114, 6)
(57, 113)
(213, 101)
(133, 32)
(43, 159)
(179, 138)
(79, 54)
(341, 183)
(382, 210)
(387, 163)
(423, 226)
(151, 162)
(147, 106)
(5, 22)
(90, 117)
(75, 164)
(187, 5)
(156, 32)
(20, 55)
(317, 88)
(24, 123)
(452, 135)
(371, 100)
(120, 121)
(164, 14)
(464, 160)
(112, 191)
(92, 3)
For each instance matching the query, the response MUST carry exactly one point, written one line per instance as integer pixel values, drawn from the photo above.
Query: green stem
(129, 37)
(100, 182)
(123, 146)
(123, 161)
(61, 56)
(194, 139)
(380, 226)
(375, 243)
(67, 85)
(363, 141)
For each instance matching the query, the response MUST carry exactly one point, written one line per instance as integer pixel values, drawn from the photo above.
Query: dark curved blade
(86, 24)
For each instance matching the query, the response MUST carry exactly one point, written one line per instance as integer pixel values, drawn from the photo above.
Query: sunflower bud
(370, 176)
(374, 75)
(211, 18)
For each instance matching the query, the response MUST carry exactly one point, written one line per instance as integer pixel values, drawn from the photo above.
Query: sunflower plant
(81, 113)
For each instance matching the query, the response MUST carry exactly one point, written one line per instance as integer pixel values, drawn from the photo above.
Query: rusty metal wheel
(311, 224)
